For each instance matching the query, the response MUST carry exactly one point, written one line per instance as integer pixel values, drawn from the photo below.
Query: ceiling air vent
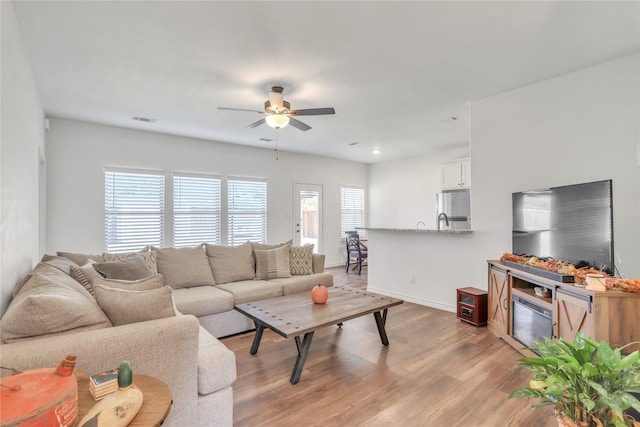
(144, 119)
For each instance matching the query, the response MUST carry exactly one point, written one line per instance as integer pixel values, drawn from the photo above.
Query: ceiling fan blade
(298, 124)
(240, 109)
(255, 124)
(313, 111)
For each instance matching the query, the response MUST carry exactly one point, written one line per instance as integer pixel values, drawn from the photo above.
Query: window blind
(196, 210)
(134, 210)
(247, 211)
(351, 209)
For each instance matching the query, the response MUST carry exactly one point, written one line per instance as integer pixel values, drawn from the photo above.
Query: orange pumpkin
(319, 294)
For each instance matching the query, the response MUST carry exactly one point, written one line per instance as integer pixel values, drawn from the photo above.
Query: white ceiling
(396, 72)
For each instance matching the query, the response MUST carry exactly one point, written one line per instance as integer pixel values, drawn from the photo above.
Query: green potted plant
(588, 382)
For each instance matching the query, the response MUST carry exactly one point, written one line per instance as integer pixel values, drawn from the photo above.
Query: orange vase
(319, 294)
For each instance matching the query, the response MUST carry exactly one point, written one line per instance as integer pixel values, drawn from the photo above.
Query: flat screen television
(570, 223)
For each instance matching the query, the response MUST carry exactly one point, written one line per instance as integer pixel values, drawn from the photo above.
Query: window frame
(351, 211)
(230, 221)
(215, 214)
(112, 212)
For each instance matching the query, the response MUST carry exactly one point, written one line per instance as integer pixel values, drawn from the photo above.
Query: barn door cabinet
(498, 301)
(609, 316)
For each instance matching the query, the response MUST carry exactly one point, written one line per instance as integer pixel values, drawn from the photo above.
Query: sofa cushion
(130, 268)
(148, 283)
(41, 268)
(124, 307)
(148, 256)
(252, 290)
(301, 260)
(184, 267)
(48, 305)
(80, 259)
(318, 263)
(62, 263)
(272, 263)
(202, 300)
(305, 283)
(216, 375)
(231, 263)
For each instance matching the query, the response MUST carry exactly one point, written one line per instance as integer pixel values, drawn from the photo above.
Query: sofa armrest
(318, 263)
(164, 348)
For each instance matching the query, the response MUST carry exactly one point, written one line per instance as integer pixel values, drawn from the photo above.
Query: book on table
(103, 383)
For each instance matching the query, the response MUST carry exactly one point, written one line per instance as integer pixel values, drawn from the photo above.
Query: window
(351, 209)
(196, 210)
(247, 211)
(134, 210)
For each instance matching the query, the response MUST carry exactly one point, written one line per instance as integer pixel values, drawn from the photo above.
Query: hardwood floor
(437, 371)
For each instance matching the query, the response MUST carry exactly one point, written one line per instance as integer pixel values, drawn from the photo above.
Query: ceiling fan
(278, 112)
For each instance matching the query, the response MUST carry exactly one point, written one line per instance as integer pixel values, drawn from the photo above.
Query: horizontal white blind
(247, 211)
(351, 209)
(196, 210)
(134, 210)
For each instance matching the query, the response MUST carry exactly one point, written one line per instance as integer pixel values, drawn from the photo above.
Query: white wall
(79, 152)
(580, 127)
(403, 192)
(21, 142)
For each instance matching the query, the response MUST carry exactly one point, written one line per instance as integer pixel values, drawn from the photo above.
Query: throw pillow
(124, 307)
(80, 259)
(301, 260)
(263, 247)
(131, 268)
(231, 263)
(273, 263)
(148, 283)
(85, 275)
(149, 258)
(48, 306)
(184, 267)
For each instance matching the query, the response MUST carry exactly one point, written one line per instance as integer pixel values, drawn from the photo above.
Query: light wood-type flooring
(437, 371)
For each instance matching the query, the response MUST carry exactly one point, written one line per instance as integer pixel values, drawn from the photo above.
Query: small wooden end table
(156, 402)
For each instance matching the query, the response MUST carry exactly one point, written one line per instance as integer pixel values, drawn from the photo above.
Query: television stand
(605, 316)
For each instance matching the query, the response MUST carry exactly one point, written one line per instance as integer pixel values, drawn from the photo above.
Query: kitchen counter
(416, 230)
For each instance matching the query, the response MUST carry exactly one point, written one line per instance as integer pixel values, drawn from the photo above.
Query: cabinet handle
(504, 303)
(553, 330)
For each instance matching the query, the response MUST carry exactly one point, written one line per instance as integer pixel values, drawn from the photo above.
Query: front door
(308, 216)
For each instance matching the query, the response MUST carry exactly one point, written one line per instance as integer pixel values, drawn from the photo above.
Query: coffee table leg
(257, 338)
(303, 350)
(381, 320)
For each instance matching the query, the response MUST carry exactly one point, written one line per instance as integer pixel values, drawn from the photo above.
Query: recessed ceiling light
(376, 151)
(144, 119)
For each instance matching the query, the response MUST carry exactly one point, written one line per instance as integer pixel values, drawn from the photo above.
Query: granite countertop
(416, 230)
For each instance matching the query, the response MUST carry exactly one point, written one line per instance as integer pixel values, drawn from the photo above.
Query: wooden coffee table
(156, 401)
(296, 315)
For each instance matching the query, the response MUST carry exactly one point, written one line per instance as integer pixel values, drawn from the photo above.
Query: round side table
(155, 405)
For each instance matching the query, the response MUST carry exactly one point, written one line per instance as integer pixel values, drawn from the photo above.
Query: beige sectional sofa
(162, 309)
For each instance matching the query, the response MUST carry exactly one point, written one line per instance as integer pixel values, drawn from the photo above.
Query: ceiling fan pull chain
(277, 133)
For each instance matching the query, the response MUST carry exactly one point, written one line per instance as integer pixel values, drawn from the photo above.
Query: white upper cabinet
(456, 176)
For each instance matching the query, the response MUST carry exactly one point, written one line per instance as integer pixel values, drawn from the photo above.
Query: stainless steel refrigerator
(453, 210)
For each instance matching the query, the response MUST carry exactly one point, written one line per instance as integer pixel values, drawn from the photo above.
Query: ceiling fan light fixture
(277, 121)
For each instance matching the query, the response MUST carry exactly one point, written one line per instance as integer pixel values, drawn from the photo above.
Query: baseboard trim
(421, 301)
